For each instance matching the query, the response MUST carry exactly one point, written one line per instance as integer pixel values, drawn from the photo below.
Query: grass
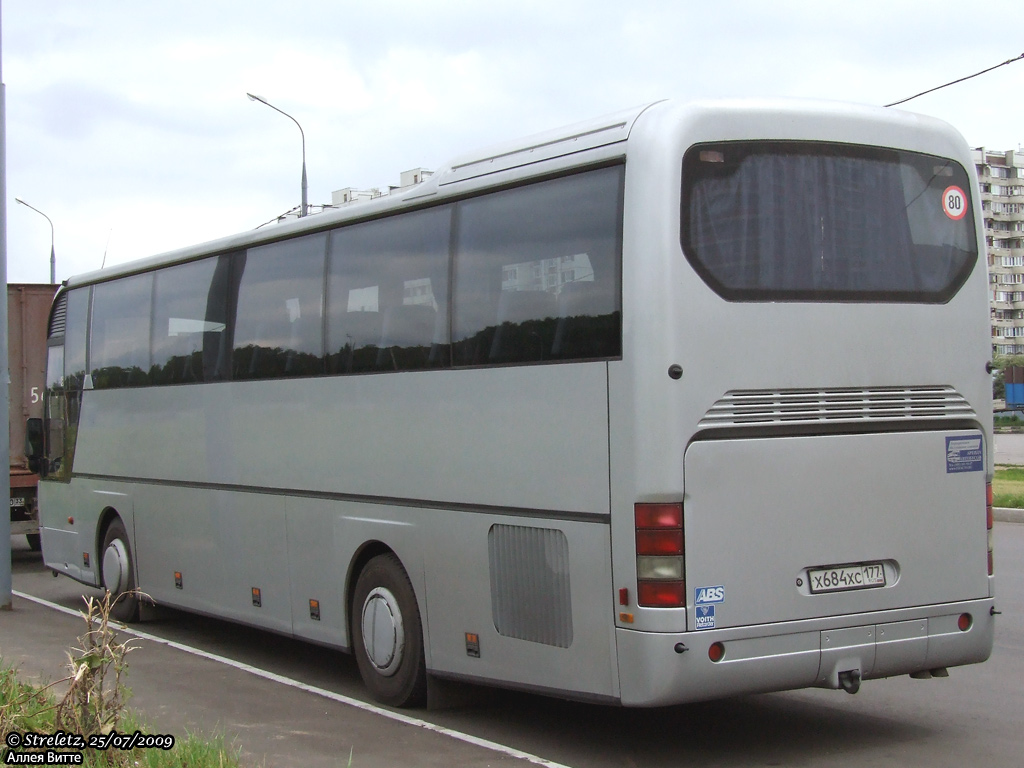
(190, 751)
(1007, 421)
(94, 705)
(25, 708)
(1008, 487)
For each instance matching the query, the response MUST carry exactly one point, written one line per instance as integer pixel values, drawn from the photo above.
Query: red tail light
(988, 522)
(659, 555)
(658, 515)
(668, 542)
(661, 594)
(988, 504)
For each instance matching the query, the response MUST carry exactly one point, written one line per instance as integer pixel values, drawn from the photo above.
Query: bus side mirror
(34, 444)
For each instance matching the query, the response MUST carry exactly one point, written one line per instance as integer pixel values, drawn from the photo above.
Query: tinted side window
(65, 376)
(388, 294)
(77, 325)
(537, 272)
(119, 352)
(279, 321)
(56, 409)
(190, 322)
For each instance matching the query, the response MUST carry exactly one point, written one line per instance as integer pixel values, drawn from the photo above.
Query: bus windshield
(814, 221)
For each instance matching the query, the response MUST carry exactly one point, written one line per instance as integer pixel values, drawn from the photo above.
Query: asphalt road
(1009, 448)
(971, 718)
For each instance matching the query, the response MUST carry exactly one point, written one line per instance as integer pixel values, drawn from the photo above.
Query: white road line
(397, 716)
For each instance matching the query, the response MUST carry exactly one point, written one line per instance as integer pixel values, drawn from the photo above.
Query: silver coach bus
(683, 403)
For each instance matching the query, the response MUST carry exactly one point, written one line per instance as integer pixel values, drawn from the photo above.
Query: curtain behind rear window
(801, 221)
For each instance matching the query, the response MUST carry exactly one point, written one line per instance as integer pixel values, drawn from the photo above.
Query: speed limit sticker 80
(954, 203)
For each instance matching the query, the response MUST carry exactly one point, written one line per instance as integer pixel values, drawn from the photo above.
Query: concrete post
(5, 453)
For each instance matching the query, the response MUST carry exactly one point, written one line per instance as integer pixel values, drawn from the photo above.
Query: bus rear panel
(811, 391)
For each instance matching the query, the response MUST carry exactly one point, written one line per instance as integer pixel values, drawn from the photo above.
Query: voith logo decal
(705, 617)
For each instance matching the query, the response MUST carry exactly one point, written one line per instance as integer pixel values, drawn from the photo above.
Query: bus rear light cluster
(989, 523)
(659, 555)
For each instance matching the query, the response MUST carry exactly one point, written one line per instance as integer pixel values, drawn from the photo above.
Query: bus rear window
(809, 221)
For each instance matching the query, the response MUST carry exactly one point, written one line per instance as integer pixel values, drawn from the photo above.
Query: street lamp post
(261, 100)
(53, 257)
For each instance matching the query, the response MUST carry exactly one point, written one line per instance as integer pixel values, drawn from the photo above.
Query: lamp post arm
(261, 100)
(53, 257)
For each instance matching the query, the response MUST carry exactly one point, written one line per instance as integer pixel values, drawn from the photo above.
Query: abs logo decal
(709, 595)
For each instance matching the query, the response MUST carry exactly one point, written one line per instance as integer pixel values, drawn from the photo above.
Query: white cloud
(132, 117)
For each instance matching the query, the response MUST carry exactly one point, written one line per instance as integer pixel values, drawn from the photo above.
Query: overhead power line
(954, 82)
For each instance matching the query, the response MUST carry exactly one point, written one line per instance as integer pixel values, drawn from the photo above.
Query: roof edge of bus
(818, 107)
(596, 132)
(546, 145)
(529, 150)
(258, 236)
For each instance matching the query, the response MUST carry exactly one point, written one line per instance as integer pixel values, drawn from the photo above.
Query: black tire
(395, 672)
(35, 542)
(117, 573)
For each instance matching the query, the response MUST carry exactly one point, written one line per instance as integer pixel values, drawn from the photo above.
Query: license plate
(17, 501)
(844, 577)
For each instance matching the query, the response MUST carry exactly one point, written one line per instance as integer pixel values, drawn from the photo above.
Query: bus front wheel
(118, 571)
(387, 634)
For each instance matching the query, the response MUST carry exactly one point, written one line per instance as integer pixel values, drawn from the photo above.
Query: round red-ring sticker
(954, 203)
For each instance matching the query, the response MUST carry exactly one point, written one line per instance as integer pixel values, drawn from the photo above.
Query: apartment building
(1001, 178)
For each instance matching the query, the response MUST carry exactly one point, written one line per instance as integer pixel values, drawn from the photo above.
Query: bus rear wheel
(35, 543)
(387, 634)
(118, 573)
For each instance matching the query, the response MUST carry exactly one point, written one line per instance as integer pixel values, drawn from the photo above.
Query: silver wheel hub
(115, 567)
(383, 631)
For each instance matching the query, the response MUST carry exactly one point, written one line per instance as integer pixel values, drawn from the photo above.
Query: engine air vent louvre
(530, 595)
(740, 408)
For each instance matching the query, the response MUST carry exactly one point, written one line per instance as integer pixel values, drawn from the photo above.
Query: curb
(1008, 515)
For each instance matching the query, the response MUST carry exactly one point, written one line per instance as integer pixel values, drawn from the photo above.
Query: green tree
(1000, 363)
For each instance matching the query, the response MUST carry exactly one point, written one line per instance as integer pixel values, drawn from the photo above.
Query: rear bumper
(799, 654)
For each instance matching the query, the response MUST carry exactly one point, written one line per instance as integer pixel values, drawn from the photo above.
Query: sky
(128, 124)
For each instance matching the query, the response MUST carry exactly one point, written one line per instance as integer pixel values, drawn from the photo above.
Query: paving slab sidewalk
(274, 725)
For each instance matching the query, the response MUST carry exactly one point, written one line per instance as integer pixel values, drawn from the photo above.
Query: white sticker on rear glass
(954, 203)
(964, 454)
